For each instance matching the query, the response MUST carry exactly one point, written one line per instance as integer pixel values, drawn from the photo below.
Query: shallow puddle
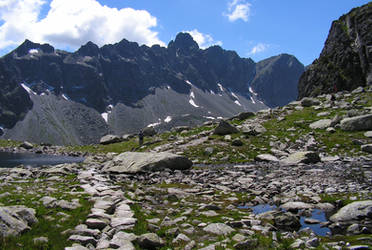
(316, 214)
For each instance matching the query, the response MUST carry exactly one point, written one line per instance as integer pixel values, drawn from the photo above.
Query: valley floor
(214, 204)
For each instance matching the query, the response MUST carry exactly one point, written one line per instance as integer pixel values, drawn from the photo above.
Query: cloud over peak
(238, 9)
(203, 40)
(71, 23)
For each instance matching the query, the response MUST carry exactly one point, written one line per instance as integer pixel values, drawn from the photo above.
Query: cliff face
(346, 59)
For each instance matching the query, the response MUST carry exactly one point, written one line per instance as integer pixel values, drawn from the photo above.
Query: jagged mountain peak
(184, 42)
(30, 47)
(89, 49)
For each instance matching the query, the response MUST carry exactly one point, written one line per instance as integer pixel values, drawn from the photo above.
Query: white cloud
(71, 23)
(238, 9)
(260, 47)
(204, 40)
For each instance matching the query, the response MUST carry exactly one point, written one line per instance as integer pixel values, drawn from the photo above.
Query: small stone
(237, 143)
(181, 238)
(40, 240)
(96, 223)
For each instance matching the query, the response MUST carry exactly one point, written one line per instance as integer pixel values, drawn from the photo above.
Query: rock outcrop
(346, 59)
(15, 220)
(133, 162)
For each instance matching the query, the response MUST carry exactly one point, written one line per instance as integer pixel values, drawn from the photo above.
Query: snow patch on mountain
(168, 119)
(105, 116)
(27, 88)
(237, 102)
(191, 101)
(64, 96)
(33, 51)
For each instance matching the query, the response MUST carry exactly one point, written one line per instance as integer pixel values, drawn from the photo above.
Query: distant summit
(346, 59)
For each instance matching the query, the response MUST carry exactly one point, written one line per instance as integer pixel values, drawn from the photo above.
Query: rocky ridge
(128, 87)
(345, 62)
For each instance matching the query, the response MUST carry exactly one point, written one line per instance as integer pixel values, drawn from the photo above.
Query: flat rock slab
(353, 211)
(266, 158)
(301, 157)
(321, 124)
(296, 205)
(15, 220)
(219, 229)
(134, 162)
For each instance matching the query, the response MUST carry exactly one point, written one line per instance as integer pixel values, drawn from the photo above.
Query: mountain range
(53, 96)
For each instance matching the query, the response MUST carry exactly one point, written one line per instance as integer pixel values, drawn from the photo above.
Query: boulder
(368, 134)
(367, 148)
(355, 211)
(149, 131)
(295, 206)
(218, 229)
(225, 128)
(109, 139)
(150, 241)
(266, 158)
(308, 102)
(27, 145)
(321, 124)
(244, 115)
(357, 123)
(14, 220)
(133, 162)
(301, 157)
(287, 221)
(253, 129)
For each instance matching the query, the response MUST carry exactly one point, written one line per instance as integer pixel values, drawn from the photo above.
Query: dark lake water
(9, 160)
(316, 214)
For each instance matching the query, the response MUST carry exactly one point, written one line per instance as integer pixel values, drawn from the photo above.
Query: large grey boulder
(150, 241)
(15, 220)
(287, 221)
(357, 123)
(133, 162)
(301, 157)
(109, 139)
(266, 158)
(253, 129)
(355, 211)
(294, 206)
(308, 102)
(225, 128)
(218, 229)
(321, 124)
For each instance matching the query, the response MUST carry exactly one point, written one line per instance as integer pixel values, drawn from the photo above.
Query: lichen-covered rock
(301, 157)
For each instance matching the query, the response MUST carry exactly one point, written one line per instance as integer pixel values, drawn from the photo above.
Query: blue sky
(254, 28)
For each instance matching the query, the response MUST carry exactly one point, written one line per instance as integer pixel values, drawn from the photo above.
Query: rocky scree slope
(346, 59)
(134, 86)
